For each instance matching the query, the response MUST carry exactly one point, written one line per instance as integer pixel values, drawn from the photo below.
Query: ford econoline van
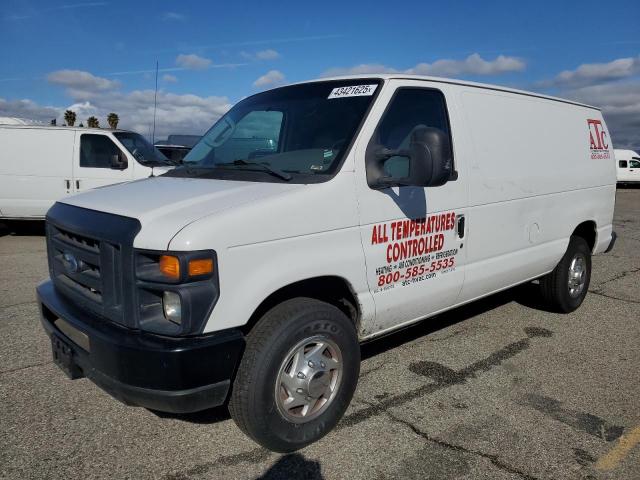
(42, 164)
(313, 217)
(627, 166)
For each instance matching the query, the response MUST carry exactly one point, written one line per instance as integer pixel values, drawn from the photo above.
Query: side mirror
(119, 162)
(429, 156)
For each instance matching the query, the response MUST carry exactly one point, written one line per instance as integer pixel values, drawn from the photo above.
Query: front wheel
(566, 286)
(297, 375)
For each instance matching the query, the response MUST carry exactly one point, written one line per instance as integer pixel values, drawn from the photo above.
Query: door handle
(77, 184)
(68, 184)
(460, 228)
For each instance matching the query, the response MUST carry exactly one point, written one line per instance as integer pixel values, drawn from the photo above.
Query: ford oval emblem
(70, 262)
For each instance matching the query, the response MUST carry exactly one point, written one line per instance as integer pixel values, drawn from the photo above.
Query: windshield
(287, 133)
(145, 153)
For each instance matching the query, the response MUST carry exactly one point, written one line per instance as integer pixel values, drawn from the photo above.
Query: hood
(170, 203)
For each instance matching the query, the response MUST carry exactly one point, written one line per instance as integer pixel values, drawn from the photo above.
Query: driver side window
(96, 151)
(634, 164)
(410, 108)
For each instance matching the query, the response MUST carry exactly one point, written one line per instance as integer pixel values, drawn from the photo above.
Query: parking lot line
(619, 452)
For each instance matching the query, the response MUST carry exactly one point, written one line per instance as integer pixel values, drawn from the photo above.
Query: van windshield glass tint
(284, 133)
(145, 153)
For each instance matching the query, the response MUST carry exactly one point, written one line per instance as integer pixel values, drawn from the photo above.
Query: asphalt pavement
(499, 389)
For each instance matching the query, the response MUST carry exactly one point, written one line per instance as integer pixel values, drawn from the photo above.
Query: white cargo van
(628, 166)
(312, 217)
(42, 164)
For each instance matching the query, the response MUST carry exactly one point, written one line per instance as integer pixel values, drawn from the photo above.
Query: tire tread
(553, 285)
(258, 342)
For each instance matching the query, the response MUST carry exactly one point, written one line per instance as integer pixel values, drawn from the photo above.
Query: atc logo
(598, 142)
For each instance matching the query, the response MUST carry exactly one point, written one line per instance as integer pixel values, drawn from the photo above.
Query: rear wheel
(297, 375)
(566, 286)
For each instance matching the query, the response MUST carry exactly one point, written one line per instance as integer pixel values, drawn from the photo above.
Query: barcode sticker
(353, 91)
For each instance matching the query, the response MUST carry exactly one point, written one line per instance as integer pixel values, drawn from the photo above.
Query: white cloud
(268, 54)
(474, 64)
(81, 80)
(271, 78)
(192, 61)
(187, 113)
(595, 73)
(27, 109)
(71, 6)
(191, 114)
(169, 78)
(174, 16)
(362, 69)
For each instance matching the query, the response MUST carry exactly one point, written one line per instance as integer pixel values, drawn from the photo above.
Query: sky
(96, 57)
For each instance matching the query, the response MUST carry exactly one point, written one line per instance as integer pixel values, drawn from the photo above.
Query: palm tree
(70, 117)
(92, 122)
(112, 120)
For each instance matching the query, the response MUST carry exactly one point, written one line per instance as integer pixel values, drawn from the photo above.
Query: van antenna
(155, 103)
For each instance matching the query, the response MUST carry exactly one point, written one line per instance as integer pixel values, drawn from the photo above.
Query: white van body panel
(528, 173)
(516, 191)
(41, 164)
(35, 170)
(298, 234)
(381, 210)
(627, 166)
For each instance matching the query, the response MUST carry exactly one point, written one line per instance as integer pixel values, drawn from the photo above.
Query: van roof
(452, 81)
(56, 127)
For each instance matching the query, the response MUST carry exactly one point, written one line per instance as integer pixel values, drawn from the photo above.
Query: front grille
(86, 267)
(91, 259)
(76, 262)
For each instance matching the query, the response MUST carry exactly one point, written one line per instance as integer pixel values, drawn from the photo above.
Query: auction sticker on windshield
(353, 91)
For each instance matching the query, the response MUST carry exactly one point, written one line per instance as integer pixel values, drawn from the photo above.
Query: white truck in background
(627, 166)
(250, 275)
(42, 164)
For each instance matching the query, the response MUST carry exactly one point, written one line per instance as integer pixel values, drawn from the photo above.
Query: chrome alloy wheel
(577, 275)
(308, 379)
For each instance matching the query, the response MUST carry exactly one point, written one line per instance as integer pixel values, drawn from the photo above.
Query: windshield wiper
(265, 168)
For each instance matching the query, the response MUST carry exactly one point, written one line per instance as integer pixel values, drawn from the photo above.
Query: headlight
(175, 291)
(172, 307)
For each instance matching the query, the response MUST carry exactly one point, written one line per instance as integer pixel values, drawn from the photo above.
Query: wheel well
(587, 230)
(333, 290)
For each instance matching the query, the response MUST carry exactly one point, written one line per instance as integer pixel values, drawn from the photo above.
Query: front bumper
(169, 374)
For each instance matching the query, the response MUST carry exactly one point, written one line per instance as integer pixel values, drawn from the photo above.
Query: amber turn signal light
(170, 266)
(200, 267)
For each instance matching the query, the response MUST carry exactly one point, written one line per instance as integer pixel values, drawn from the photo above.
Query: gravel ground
(498, 389)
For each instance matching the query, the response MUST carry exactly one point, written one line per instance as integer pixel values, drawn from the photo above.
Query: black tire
(555, 285)
(253, 398)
